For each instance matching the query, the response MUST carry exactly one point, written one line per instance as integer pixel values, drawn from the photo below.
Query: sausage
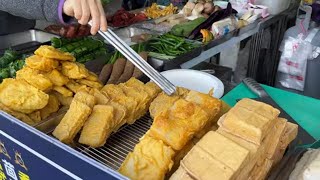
(137, 73)
(117, 70)
(127, 73)
(105, 73)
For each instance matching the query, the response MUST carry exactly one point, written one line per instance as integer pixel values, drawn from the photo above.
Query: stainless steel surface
(127, 33)
(24, 37)
(138, 61)
(118, 145)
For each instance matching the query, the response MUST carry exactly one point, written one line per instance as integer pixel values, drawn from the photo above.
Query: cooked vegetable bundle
(10, 64)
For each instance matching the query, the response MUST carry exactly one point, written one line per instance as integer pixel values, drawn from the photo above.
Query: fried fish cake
(65, 101)
(161, 103)
(41, 63)
(74, 70)
(85, 98)
(100, 97)
(57, 78)
(64, 91)
(76, 87)
(20, 96)
(52, 107)
(53, 53)
(34, 78)
(93, 84)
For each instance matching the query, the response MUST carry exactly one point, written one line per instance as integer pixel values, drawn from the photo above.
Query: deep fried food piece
(34, 78)
(64, 91)
(151, 159)
(98, 127)
(51, 52)
(41, 63)
(92, 84)
(76, 87)
(65, 101)
(21, 116)
(85, 98)
(52, 107)
(119, 114)
(35, 116)
(57, 78)
(20, 96)
(72, 122)
(74, 70)
(162, 103)
(100, 97)
(93, 77)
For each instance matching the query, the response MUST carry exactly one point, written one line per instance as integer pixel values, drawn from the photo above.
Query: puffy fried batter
(65, 101)
(34, 78)
(98, 127)
(85, 98)
(151, 159)
(21, 116)
(64, 91)
(152, 89)
(76, 87)
(161, 103)
(41, 63)
(72, 122)
(92, 84)
(93, 77)
(119, 114)
(52, 106)
(51, 52)
(74, 70)
(20, 96)
(57, 78)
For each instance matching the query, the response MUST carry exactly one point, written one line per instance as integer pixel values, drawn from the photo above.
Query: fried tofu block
(208, 103)
(246, 124)
(65, 101)
(181, 174)
(162, 103)
(152, 89)
(21, 116)
(201, 165)
(76, 87)
(98, 127)
(57, 78)
(64, 91)
(93, 84)
(260, 170)
(41, 63)
(51, 52)
(224, 150)
(99, 97)
(85, 98)
(52, 107)
(151, 159)
(182, 92)
(280, 127)
(178, 125)
(34, 78)
(72, 122)
(20, 96)
(118, 115)
(74, 70)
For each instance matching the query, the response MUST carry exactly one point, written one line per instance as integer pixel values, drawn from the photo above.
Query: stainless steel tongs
(138, 61)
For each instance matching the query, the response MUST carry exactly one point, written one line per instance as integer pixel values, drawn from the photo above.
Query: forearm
(50, 10)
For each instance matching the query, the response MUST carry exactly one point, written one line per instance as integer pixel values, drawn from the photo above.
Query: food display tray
(25, 41)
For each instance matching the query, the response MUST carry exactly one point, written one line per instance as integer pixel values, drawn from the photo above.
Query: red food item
(125, 18)
(70, 31)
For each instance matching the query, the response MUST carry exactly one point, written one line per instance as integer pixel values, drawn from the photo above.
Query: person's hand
(84, 10)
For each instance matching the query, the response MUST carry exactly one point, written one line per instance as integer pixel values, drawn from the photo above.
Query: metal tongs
(138, 61)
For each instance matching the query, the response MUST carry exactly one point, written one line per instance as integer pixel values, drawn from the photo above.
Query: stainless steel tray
(26, 39)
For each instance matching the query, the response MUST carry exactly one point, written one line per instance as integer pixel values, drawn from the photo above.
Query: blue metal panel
(36, 155)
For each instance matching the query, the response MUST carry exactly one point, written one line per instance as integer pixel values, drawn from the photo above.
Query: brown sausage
(117, 70)
(127, 73)
(105, 73)
(137, 73)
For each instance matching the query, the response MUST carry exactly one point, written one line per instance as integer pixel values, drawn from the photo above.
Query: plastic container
(274, 6)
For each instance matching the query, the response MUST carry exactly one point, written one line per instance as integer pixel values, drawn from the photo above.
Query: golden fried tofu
(76, 87)
(119, 114)
(177, 125)
(35, 116)
(182, 92)
(52, 106)
(161, 103)
(181, 174)
(74, 70)
(21, 116)
(93, 77)
(85, 98)
(72, 122)
(92, 84)
(98, 127)
(34, 78)
(208, 103)
(64, 91)
(41, 63)
(20, 96)
(100, 98)
(51, 52)
(57, 78)
(151, 159)
(65, 101)
(152, 90)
